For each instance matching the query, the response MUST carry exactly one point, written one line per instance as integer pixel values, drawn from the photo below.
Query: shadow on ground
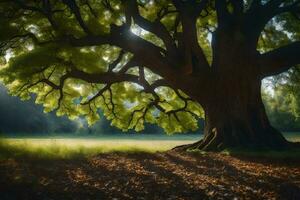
(168, 175)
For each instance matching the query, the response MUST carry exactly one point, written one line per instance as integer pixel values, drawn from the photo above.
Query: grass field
(126, 167)
(70, 147)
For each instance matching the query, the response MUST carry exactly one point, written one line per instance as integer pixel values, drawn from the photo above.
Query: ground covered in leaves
(169, 175)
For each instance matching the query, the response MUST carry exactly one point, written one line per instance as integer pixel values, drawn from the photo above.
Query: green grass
(81, 147)
(70, 148)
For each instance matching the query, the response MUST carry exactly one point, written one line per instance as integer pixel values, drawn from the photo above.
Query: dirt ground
(169, 175)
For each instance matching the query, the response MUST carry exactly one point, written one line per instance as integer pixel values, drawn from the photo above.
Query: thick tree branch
(238, 7)
(280, 60)
(194, 57)
(265, 13)
(156, 27)
(104, 78)
(223, 14)
(145, 53)
(276, 7)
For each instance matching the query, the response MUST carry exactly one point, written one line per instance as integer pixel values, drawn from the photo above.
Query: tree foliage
(137, 61)
(281, 107)
(286, 97)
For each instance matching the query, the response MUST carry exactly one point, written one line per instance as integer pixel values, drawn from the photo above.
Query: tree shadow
(275, 160)
(44, 179)
(284, 188)
(145, 179)
(143, 176)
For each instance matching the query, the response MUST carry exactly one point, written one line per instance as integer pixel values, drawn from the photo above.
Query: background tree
(27, 118)
(154, 61)
(282, 100)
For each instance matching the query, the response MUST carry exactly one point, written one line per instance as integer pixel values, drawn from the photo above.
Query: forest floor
(165, 175)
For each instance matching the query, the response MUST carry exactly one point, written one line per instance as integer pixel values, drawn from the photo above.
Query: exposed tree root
(186, 147)
(203, 145)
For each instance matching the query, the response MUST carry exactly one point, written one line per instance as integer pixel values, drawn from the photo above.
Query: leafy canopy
(38, 66)
(81, 56)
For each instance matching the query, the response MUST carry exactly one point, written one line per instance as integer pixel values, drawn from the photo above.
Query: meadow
(68, 146)
(126, 166)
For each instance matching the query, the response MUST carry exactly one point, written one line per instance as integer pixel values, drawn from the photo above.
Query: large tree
(154, 61)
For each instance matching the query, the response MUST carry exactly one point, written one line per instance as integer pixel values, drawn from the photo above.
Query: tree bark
(235, 117)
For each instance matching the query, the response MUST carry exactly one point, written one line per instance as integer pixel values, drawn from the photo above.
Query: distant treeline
(25, 117)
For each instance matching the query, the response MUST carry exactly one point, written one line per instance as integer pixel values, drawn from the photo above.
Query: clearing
(40, 168)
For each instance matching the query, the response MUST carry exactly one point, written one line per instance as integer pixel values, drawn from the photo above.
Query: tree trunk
(235, 117)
